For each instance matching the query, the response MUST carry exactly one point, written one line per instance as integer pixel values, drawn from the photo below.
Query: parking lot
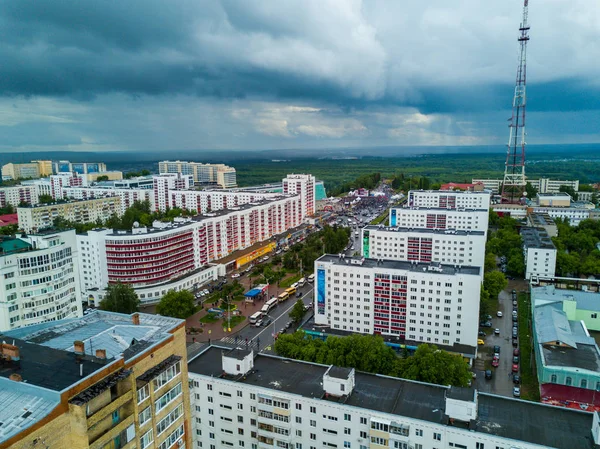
(502, 377)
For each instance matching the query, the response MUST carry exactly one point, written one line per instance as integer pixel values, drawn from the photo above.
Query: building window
(313, 409)
(583, 383)
(437, 436)
(168, 420)
(568, 381)
(479, 445)
(143, 393)
(363, 420)
(146, 439)
(145, 416)
(553, 379)
(167, 375)
(168, 397)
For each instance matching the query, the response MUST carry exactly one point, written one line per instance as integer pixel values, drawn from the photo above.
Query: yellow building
(111, 175)
(104, 381)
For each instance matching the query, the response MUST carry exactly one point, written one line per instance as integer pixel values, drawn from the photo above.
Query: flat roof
(506, 417)
(441, 209)
(436, 268)
(583, 357)
(585, 300)
(542, 219)
(536, 238)
(422, 230)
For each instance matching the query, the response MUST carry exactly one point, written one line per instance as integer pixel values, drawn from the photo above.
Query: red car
(515, 352)
(495, 363)
(515, 368)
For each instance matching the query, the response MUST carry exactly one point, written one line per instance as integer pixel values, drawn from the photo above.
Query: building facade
(543, 185)
(33, 169)
(204, 174)
(39, 276)
(448, 247)
(22, 194)
(62, 180)
(204, 201)
(164, 183)
(42, 216)
(304, 186)
(439, 218)
(81, 168)
(104, 381)
(574, 214)
(127, 196)
(239, 399)
(418, 302)
(539, 253)
(451, 200)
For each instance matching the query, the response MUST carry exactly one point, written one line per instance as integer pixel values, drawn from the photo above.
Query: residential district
(264, 265)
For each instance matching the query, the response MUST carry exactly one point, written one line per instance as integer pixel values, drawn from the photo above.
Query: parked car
(495, 363)
(517, 392)
(308, 307)
(266, 321)
(515, 352)
(497, 349)
(486, 324)
(496, 331)
(488, 317)
(514, 318)
(258, 323)
(235, 275)
(482, 334)
(516, 379)
(480, 341)
(298, 294)
(488, 374)
(288, 324)
(515, 368)
(516, 359)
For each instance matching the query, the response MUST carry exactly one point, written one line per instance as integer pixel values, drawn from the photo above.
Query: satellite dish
(136, 224)
(524, 193)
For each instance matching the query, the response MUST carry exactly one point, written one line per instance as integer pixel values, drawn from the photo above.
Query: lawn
(289, 281)
(530, 389)
(235, 320)
(209, 318)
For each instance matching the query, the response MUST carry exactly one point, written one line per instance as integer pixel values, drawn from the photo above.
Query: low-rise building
(33, 169)
(82, 168)
(574, 214)
(127, 196)
(105, 380)
(539, 253)
(543, 185)
(554, 199)
(42, 216)
(473, 187)
(39, 279)
(219, 175)
(242, 399)
(106, 175)
(543, 221)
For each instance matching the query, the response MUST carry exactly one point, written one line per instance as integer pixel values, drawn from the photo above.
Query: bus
(301, 282)
(311, 278)
(254, 318)
(269, 306)
(285, 295)
(290, 291)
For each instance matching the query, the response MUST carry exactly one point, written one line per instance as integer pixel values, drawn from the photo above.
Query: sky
(155, 75)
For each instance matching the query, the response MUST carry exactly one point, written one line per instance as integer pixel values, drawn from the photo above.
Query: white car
(499, 314)
(235, 275)
(205, 291)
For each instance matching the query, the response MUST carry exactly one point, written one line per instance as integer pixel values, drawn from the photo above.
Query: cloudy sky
(195, 74)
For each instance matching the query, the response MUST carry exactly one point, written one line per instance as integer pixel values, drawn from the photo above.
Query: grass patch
(209, 318)
(530, 389)
(234, 321)
(289, 281)
(381, 218)
(239, 297)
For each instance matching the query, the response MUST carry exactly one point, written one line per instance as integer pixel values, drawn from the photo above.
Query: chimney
(11, 352)
(101, 354)
(135, 319)
(15, 377)
(79, 347)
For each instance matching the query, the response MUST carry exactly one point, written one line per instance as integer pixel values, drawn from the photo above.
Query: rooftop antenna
(514, 181)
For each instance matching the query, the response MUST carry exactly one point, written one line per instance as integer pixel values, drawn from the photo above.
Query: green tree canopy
(120, 298)
(45, 199)
(177, 304)
(297, 312)
(432, 365)
(494, 282)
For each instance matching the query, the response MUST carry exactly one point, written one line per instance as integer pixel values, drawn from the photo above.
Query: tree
(45, 199)
(494, 282)
(484, 303)
(490, 262)
(567, 264)
(297, 312)
(570, 191)
(177, 304)
(516, 264)
(102, 178)
(531, 191)
(432, 365)
(120, 298)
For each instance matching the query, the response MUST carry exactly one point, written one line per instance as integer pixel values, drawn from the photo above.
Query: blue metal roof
(254, 292)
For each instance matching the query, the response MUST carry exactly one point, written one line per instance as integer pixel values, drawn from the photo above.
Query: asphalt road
(263, 337)
(501, 383)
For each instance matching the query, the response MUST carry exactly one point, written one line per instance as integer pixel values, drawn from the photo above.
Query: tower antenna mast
(514, 181)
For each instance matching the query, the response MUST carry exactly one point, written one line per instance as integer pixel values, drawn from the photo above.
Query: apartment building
(42, 216)
(33, 169)
(543, 185)
(449, 247)
(82, 168)
(539, 253)
(219, 175)
(62, 180)
(177, 255)
(166, 182)
(303, 185)
(574, 214)
(127, 196)
(39, 279)
(103, 381)
(204, 201)
(242, 399)
(439, 218)
(22, 194)
(451, 200)
(416, 302)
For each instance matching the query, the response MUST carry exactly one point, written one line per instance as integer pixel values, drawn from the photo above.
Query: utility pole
(513, 185)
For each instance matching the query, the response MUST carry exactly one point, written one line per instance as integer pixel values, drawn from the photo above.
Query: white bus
(311, 278)
(301, 282)
(254, 318)
(269, 305)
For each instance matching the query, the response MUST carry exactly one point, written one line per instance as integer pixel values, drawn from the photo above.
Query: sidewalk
(215, 331)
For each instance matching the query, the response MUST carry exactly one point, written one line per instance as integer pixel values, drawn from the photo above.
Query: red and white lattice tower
(514, 182)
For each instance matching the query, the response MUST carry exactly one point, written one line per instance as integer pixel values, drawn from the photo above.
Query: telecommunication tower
(514, 182)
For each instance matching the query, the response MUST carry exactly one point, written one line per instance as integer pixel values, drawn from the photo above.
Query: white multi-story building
(166, 182)
(205, 174)
(539, 253)
(574, 214)
(418, 302)
(42, 216)
(59, 181)
(39, 279)
(127, 196)
(449, 247)
(239, 399)
(16, 195)
(439, 218)
(543, 185)
(451, 200)
(204, 201)
(303, 185)
(177, 255)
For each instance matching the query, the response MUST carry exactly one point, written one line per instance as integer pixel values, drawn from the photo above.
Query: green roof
(9, 246)
(320, 193)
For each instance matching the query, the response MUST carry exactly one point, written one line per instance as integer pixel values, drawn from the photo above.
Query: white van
(255, 318)
(301, 282)
(311, 278)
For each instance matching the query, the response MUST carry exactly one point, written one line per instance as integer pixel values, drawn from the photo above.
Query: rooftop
(549, 293)
(400, 265)
(445, 209)
(542, 219)
(114, 332)
(506, 417)
(422, 230)
(536, 238)
(9, 245)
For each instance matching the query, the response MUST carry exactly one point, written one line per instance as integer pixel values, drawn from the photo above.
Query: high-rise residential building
(451, 200)
(42, 216)
(178, 255)
(102, 381)
(165, 182)
(448, 247)
(539, 254)
(204, 201)
(39, 279)
(68, 179)
(416, 302)
(204, 174)
(242, 399)
(81, 168)
(303, 185)
(33, 169)
(439, 218)
(128, 196)
(15, 195)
